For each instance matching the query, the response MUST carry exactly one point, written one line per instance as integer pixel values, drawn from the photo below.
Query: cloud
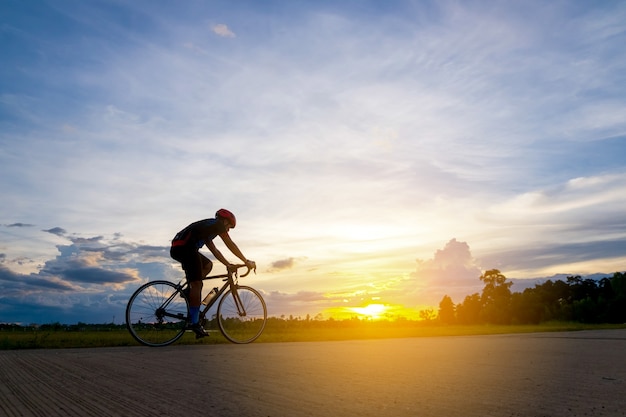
(281, 265)
(98, 261)
(20, 225)
(56, 231)
(101, 261)
(222, 30)
(606, 192)
(452, 265)
(557, 254)
(90, 273)
(12, 283)
(8, 276)
(452, 271)
(302, 302)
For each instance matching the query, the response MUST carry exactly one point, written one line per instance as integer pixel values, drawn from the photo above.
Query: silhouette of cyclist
(185, 249)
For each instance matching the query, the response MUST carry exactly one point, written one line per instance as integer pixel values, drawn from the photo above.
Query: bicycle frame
(230, 282)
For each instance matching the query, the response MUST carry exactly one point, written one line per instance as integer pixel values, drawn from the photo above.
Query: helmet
(225, 214)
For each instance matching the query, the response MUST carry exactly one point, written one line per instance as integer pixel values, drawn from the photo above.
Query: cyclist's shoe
(198, 330)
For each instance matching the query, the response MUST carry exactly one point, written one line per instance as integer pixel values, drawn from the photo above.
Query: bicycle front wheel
(156, 314)
(241, 315)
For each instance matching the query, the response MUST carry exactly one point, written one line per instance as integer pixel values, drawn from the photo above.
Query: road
(539, 374)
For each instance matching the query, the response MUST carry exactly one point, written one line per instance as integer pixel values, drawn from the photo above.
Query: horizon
(369, 313)
(375, 154)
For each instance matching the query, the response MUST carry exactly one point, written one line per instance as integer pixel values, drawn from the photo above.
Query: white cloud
(601, 193)
(452, 271)
(222, 30)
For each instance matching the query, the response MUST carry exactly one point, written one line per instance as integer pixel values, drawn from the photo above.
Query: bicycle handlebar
(235, 267)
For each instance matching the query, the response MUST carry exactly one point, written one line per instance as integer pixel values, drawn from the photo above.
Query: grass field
(276, 331)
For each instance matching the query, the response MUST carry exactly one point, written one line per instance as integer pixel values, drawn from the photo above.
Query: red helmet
(225, 214)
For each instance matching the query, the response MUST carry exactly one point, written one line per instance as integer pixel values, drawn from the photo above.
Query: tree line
(576, 299)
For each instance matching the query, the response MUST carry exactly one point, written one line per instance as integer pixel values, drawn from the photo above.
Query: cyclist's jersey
(198, 233)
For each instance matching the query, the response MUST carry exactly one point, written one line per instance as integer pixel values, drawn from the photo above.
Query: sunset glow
(371, 311)
(377, 155)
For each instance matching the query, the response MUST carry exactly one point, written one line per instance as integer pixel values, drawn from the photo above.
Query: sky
(375, 153)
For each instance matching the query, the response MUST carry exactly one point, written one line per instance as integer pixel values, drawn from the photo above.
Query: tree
(427, 315)
(447, 313)
(617, 305)
(576, 299)
(554, 297)
(526, 307)
(496, 297)
(469, 311)
(618, 283)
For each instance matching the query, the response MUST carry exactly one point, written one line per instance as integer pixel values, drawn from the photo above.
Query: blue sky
(373, 152)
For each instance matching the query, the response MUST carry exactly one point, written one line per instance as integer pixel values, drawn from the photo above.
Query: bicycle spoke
(156, 314)
(242, 320)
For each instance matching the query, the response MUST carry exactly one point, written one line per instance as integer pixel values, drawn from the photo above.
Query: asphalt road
(540, 374)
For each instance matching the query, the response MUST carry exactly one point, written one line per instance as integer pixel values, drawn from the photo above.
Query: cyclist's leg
(193, 271)
(199, 267)
(191, 262)
(207, 265)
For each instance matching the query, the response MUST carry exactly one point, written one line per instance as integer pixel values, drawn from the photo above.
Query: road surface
(539, 374)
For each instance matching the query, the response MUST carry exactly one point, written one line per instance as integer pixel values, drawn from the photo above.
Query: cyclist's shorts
(192, 262)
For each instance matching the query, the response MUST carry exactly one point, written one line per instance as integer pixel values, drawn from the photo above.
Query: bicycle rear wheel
(246, 323)
(156, 314)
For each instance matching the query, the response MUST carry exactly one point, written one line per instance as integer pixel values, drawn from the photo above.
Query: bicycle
(157, 313)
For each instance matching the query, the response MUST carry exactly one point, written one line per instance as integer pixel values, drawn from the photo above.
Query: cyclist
(185, 249)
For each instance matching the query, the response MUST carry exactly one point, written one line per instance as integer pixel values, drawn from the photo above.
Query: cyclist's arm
(218, 255)
(233, 247)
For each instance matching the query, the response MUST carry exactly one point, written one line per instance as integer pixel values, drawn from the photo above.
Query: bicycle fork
(240, 308)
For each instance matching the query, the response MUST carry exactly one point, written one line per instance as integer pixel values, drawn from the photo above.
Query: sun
(373, 311)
